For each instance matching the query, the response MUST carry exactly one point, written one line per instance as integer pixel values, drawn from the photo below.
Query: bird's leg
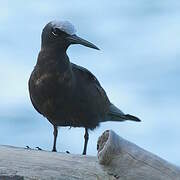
(86, 137)
(55, 138)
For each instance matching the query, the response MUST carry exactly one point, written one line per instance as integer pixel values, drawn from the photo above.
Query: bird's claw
(27, 147)
(38, 148)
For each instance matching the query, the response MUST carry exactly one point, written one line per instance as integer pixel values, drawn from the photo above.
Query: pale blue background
(138, 65)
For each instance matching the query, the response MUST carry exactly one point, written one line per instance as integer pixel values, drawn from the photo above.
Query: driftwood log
(126, 161)
(117, 159)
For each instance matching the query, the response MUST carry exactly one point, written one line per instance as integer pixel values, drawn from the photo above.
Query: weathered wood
(126, 161)
(35, 165)
(117, 159)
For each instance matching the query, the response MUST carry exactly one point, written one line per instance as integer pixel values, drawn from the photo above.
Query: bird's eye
(55, 31)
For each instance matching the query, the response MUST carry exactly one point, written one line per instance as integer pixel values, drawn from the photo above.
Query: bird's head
(62, 34)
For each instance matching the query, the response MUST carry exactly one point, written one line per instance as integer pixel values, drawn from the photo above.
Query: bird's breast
(50, 90)
(42, 78)
(57, 78)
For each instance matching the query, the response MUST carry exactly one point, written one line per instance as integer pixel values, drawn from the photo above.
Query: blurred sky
(138, 66)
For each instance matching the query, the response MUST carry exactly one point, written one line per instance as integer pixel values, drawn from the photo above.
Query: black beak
(74, 39)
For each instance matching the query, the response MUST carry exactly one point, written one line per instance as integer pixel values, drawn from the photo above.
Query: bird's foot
(54, 150)
(27, 147)
(38, 148)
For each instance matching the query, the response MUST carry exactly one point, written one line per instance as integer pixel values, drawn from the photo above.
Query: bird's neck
(56, 64)
(54, 59)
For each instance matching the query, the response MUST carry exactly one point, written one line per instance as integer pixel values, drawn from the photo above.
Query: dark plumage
(65, 93)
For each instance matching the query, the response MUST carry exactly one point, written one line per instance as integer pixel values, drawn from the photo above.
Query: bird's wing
(95, 93)
(86, 72)
(91, 79)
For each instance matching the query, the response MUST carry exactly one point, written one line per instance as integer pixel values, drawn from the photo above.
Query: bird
(65, 93)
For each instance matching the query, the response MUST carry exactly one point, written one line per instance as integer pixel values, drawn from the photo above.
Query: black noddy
(65, 93)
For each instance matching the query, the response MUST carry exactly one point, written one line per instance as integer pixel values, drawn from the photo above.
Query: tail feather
(116, 114)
